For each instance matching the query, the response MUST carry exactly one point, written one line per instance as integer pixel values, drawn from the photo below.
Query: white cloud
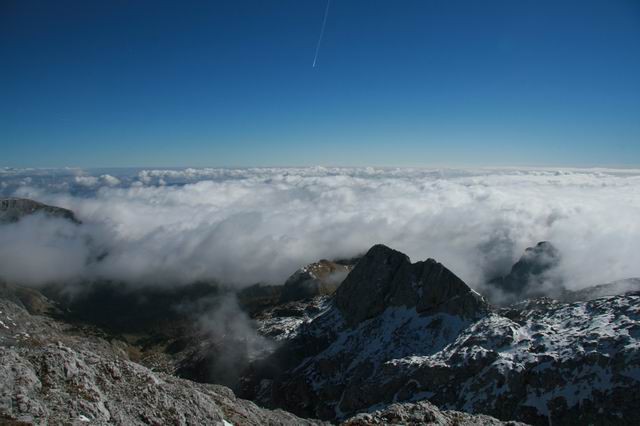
(110, 180)
(38, 250)
(86, 180)
(247, 225)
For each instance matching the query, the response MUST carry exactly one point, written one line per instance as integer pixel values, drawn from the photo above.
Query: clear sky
(398, 83)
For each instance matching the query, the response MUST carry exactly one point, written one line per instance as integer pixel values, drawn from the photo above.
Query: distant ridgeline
(14, 209)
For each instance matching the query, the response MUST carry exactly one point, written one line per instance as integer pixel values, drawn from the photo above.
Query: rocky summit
(387, 308)
(386, 278)
(316, 279)
(14, 209)
(531, 275)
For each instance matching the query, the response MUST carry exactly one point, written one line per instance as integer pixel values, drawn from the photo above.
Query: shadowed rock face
(529, 275)
(386, 277)
(14, 209)
(259, 297)
(119, 308)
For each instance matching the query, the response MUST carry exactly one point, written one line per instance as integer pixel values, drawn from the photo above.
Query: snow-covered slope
(550, 362)
(540, 361)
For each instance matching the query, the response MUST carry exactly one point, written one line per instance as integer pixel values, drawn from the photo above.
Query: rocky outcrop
(320, 278)
(530, 275)
(423, 413)
(541, 361)
(533, 276)
(30, 299)
(387, 308)
(14, 209)
(386, 278)
(317, 279)
(51, 374)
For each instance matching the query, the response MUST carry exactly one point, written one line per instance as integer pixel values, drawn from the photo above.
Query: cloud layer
(241, 226)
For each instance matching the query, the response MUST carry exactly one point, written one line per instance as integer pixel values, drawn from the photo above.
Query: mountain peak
(529, 273)
(14, 209)
(385, 277)
(319, 278)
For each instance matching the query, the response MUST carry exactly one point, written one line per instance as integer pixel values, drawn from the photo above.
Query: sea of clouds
(242, 226)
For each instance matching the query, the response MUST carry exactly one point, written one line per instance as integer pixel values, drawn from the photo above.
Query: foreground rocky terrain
(52, 372)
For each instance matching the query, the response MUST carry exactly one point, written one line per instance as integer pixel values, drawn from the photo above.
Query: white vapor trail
(324, 23)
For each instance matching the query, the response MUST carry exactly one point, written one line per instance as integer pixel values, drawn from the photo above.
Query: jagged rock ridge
(536, 362)
(385, 277)
(14, 209)
(387, 308)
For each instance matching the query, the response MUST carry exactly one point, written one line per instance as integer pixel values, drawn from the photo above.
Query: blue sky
(409, 83)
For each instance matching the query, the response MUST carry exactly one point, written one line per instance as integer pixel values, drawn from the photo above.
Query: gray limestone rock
(14, 209)
(423, 413)
(51, 374)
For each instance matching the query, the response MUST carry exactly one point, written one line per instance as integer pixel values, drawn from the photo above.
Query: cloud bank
(242, 226)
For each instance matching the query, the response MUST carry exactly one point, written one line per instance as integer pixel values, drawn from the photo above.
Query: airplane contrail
(324, 23)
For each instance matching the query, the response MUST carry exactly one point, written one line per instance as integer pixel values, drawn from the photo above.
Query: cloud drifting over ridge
(242, 226)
